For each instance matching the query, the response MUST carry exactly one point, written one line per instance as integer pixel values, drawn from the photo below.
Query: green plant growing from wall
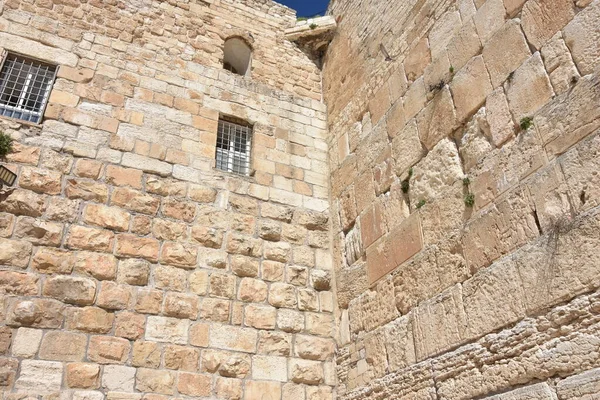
(466, 181)
(470, 200)
(300, 19)
(313, 26)
(420, 204)
(526, 123)
(452, 69)
(6, 144)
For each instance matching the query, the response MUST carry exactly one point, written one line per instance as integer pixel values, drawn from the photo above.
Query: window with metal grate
(25, 86)
(234, 139)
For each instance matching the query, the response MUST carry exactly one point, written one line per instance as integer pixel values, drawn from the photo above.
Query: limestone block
(282, 295)
(228, 388)
(493, 298)
(379, 104)
(439, 323)
(146, 354)
(465, 45)
(24, 202)
(498, 64)
(438, 171)
(269, 368)
(71, 290)
(541, 20)
(86, 190)
(407, 149)
(108, 350)
(38, 313)
(499, 119)
(274, 343)
(40, 376)
(36, 49)
(580, 166)
(170, 278)
(133, 246)
(434, 270)
(233, 338)
(118, 378)
(146, 164)
(40, 180)
(252, 290)
(262, 390)
(87, 395)
(215, 310)
(194, 384)
(313, 348)
(541, 391)
(438, 120)
(83, 375)
(113, 296)
(135, 201)
(26, 342)
(581, 36)
(417, 59)
(559, 128)
(181, 357)
(155, 381)
(91, 319)
(474, 145)
(133, 272)
(415, 98)
(549, 194)
(39, 232)
(580, 386)
(513, 6)
(95, 265)
(170, 330)
(180, 305)
(260, 316)
(489, 19)
(290, 320)
(130, 325)
(443, 30)
(15, 252)
(499, 229)
(112, 218)
(226, 363)
(470, 87)
(84, 238)
(438, 71)
(399, 343)
(305, 371)
(179, 254)
(529, 89)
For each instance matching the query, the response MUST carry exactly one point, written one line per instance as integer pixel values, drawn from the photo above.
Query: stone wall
(464, 152)
(129, 267)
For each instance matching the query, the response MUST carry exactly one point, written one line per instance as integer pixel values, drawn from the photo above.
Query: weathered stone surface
(71, 290)
(470, 88)
(26, 342)
(170, 330)
(529, 88)
(83, 375)
(63, 346)
(499, 66)
(40, 376)
(108, 350)
(154, 381)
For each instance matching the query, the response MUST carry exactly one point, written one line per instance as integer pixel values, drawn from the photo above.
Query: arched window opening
(237, 56)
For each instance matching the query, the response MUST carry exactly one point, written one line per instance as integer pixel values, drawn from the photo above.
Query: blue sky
(306, 8)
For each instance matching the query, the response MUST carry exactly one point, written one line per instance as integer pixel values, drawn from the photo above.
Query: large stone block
(71, 290)
(470, 88)
(233, 338)
(494, 52)
(529, 89)
(170, 330)
(542, 19)
(581, 36)
(40, 376)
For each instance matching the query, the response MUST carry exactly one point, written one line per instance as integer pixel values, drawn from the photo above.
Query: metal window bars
(233, 147)
(25, 86)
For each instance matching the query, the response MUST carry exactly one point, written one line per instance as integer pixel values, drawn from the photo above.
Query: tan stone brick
(494, 52)
(222, 285)
(170, 330)
(23, 154)
(18, 283)
(282, 295)
(257, 390)
(113, 296)
(38, 313)
(64, 98)
(63, 346)
(180, 254)
(133, 246)
(148, 380)
(108, 350)
(244, 245)
(194, 384)
(178, 209)
(199, 334)
(118, 378)
(470, 87)
(15, 252)
(135, 201)
(86, 190)
(26, 342)
(39, 376)
(181, 305)
(85, 168)
(91, 319)
(181, 358)
(24, 202)
(83, 376)
(319, 324)
(252, 290)
(7, 224)
(202, 194)
(305, 371)
(79, 75)
(417, 59)
(529, 89)
(129, 325)
(96, 265)
(171, 278)
(39, 232)
(260, 316)
(70, 289)
(145, 354)
(541, 20)
(233, 338)
(228, 388)
(313, 348)
(215, 310)
(272, 271)
(84, 238)
(119, 176)
(107, 217)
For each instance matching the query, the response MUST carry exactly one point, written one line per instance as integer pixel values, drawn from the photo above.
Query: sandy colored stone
(498, 65)
(581, 36)
(63, 346)
(13, 252)
(489, 18)
(82, 375)
(70, 290)
(26, 342)
(259, 390)
(40, 376)
(146, 354)
(148, 380)
(529, 89)
(470, 88)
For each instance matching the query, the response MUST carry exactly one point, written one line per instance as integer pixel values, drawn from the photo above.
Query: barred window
(234, 140)
(25, 86)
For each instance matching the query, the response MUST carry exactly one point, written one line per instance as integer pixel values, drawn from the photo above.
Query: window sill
(20, 121)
